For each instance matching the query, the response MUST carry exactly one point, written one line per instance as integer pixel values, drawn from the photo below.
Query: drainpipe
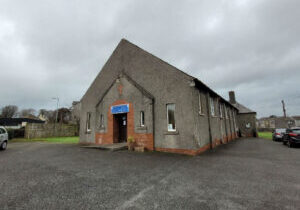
(153, 122)
(208, 117)
(225, 120)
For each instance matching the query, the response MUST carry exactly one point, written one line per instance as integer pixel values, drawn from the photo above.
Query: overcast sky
(57, 47)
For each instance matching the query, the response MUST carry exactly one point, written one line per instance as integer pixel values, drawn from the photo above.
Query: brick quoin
(142, 139)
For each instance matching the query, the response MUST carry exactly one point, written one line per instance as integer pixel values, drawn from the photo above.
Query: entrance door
(120, 128)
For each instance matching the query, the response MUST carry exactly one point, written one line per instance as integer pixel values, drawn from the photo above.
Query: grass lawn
(265, 135)
(63, 140)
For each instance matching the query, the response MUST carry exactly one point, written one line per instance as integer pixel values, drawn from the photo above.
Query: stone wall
(50, 130)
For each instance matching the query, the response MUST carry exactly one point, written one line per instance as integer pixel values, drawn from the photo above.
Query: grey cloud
(56, 48)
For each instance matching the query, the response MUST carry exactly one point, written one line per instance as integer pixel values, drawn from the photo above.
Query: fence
(50, 130)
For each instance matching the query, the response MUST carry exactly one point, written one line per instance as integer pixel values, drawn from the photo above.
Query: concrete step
(110, 147)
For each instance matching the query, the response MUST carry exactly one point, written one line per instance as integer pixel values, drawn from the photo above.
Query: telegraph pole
(57, 102)
(283, 108)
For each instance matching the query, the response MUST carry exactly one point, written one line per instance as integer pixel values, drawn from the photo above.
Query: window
(234, 122)
(142, 119)
(221, 111)
(171, 117)
(200, 104)
(226, 113)
(88, 122)
(101, 120)
(212, 107)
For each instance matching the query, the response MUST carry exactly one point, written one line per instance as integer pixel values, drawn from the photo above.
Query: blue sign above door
(124, 108)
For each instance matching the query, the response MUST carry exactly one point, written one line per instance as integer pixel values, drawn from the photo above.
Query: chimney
(232, 97)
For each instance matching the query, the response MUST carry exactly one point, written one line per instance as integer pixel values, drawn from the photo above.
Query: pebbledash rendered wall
(123, 91)
(163, 84)
(211, 131)
(247, 124)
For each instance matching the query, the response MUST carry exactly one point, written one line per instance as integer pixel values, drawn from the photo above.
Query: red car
(291, 137)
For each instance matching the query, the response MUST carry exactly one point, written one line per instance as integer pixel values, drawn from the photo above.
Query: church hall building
(139, 96)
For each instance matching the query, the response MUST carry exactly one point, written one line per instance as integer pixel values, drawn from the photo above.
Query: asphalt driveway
(244, 174)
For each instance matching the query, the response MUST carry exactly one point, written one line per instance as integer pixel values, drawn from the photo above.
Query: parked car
(3, 138)
(278, 134)
(291, 137)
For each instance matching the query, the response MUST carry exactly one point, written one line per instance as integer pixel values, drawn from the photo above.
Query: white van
(3, 138)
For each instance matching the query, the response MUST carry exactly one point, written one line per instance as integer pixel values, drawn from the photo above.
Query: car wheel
(3, 145)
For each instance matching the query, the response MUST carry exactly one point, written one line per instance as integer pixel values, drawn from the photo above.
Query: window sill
(141, 128)
(87, 132)
(102, 129)
(171, 133)
(201, 114)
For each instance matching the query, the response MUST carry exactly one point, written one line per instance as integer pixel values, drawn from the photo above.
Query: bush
(11, 133)
(16, 133)
(130, 139)
(19, 133)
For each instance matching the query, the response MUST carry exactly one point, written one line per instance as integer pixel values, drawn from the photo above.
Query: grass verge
(265, 135)
(62, 140)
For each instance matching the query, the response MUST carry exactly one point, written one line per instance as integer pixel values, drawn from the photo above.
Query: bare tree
(9, 111)
(30, 113)
(47, 115)
(64, 115)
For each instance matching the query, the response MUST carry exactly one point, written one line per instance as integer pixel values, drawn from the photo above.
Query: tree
(9, 111)
(64, 115)
(47, 115)
(30, 113)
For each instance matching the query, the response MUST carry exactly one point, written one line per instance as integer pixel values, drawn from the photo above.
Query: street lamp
(57, 102)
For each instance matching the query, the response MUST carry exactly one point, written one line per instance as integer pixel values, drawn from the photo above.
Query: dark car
(291, 137)
(278, 134)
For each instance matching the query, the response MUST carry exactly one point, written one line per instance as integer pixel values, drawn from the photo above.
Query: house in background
(139, 95)
(272, 122)
(246, 118)
(297, 120)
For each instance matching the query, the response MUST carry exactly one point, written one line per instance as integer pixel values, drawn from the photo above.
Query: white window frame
(171, 130)
(101, 120)
(142, 118)
(200, 103)
(234, 120)
(212, 107)
(88, 122)
(226, 113)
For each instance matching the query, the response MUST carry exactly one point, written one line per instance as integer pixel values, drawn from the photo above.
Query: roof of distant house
(17, 121)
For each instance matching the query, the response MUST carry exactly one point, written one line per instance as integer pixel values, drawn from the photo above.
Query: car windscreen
(296, 131)
(281, 130)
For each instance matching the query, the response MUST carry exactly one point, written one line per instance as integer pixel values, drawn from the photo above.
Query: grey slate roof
(242, 109)
(118, 55)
